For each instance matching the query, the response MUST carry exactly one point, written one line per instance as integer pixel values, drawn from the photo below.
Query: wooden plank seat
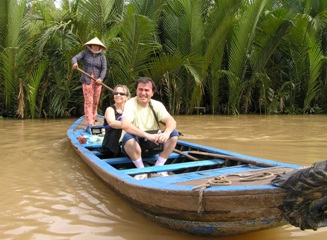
(122, 160)
(173, 167)
(237, 169)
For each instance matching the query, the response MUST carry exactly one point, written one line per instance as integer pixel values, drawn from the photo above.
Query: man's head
(146, 80)
(144, 88)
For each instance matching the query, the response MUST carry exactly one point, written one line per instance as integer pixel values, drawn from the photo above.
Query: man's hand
(75, 66)
(161, 137)
(153, 137)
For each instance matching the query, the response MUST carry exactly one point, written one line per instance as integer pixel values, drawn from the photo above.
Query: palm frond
(12, 54)
(220, 21)
(151, 9)
(298, 50)
(315, 61)
(240, 47)
(33, 86)
(270, 32)
(136, 45)
(3, 23)
(182, 27)
(243, 36)
(218, 28)
(233, 83)
(98, 15)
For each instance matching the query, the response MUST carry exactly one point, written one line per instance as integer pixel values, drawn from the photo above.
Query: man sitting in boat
(141, 114)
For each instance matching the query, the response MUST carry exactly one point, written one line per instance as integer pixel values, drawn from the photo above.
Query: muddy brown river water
(48, 193)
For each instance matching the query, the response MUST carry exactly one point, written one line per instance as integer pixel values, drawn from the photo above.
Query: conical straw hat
(95, 41)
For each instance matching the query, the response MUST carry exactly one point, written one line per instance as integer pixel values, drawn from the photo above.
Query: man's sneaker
(141, 176)
(159, 174)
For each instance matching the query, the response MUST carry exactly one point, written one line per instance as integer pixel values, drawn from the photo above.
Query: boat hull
(174, 202)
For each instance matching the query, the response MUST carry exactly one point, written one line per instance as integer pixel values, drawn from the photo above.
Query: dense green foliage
(230, 56)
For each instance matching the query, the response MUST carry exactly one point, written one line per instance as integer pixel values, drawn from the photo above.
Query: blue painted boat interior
(182, 169)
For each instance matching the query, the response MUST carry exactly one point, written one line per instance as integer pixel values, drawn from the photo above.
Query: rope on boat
(223, 181)
(216, 181)
(201, 207)
(257, 177)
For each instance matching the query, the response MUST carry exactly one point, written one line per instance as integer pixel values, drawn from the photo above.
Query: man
(138, 117)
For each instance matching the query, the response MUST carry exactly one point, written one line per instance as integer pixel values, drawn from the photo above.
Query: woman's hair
(145, 80)
(126, 90)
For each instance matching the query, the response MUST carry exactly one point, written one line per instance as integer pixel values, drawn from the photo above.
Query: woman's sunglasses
(120, 93)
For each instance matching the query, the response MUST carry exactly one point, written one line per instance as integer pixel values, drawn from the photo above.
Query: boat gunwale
(160, 183)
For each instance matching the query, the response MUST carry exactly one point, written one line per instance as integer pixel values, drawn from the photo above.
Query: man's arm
(129, 127)
(170, 124)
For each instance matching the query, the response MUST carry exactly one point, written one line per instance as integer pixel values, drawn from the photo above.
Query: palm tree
(62, 33)
(232, 56)
(130, 52)
(182, 32)
(218, 25)
(240, 48)
(53, 43)
(143, 54)
(13, 56)
(305, 44)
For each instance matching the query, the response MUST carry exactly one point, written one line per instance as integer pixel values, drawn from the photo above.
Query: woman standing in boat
(95, 64)
(112, 121)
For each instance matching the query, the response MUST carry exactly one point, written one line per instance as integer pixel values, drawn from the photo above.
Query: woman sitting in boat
(112, 122)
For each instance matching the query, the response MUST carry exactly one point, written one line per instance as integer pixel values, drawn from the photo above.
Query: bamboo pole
(80, 70)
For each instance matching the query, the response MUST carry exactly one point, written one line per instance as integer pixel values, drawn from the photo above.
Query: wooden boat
(209, 191)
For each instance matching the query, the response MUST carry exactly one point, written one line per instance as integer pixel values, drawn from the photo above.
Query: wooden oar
(232, 158)
(185, 155)
(80, 70)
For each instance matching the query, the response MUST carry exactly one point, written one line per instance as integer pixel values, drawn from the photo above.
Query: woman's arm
(104, 67)
(111, 118)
